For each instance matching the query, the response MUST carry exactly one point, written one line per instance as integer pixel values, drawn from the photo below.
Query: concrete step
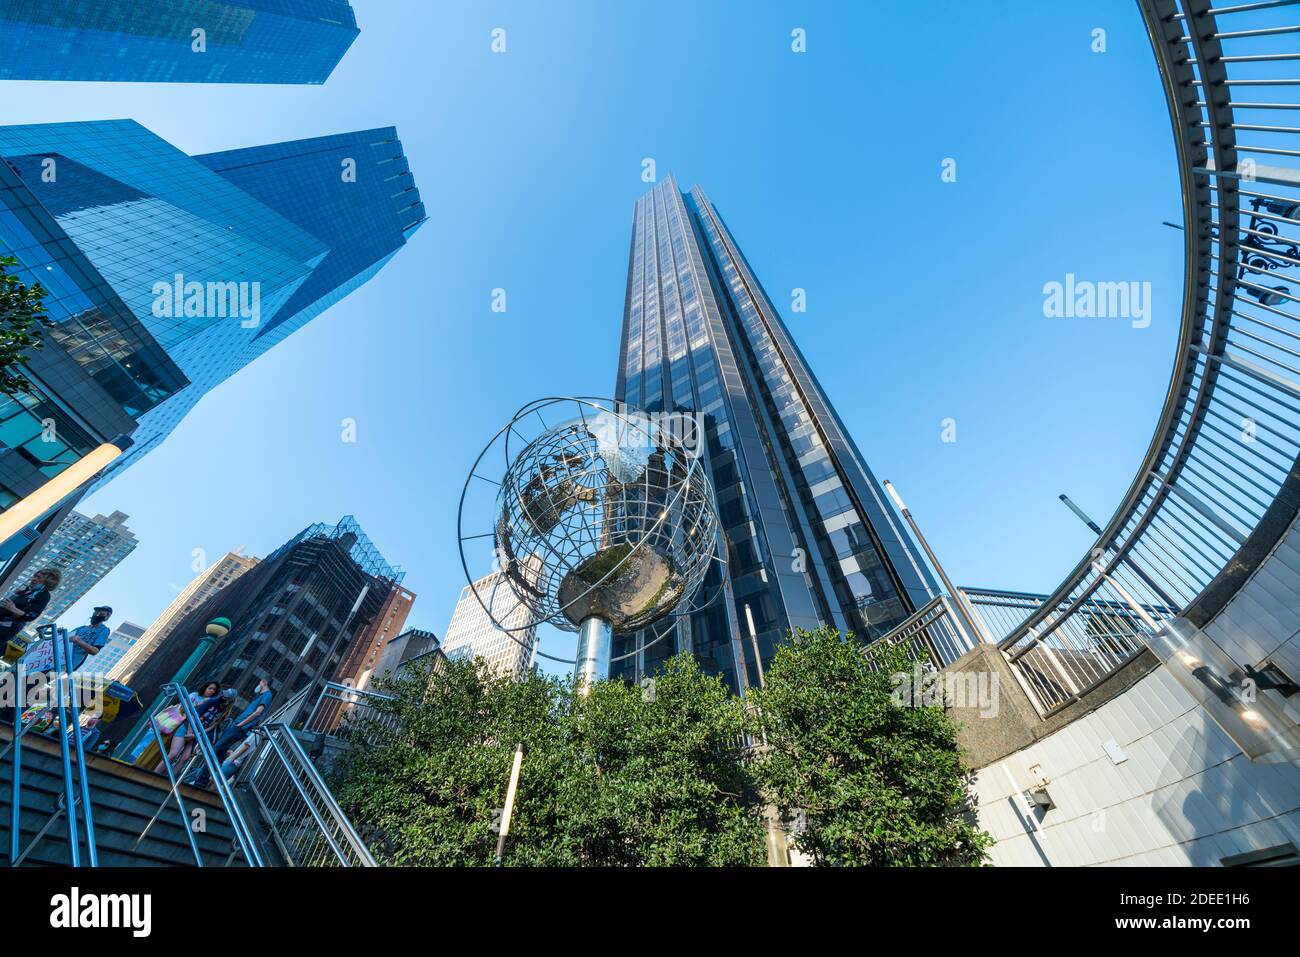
(123, 799)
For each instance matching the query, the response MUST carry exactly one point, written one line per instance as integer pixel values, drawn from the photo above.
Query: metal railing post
(61, 680)
(83, 771)
(201, 744)
(176, 793)
(15, 804)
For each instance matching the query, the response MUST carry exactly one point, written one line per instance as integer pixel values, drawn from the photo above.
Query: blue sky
(925, 298)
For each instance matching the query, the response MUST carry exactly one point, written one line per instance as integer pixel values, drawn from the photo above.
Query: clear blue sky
(925, 298)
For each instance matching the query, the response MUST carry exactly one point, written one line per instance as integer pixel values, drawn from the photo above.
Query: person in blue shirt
(238, 729)
(89, 639)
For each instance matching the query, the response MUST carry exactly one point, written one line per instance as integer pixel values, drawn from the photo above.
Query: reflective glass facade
(99, 370)
(364, 206)
(243, 41)
(809, 536)
(266, 237)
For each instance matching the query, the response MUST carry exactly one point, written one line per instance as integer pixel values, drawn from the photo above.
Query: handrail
(67, 716)
(937, 628)
(290, 793)
(1229, 432)
(174, 780)
(335, 702)
(294, 746)
(202, 744)
(203, 752)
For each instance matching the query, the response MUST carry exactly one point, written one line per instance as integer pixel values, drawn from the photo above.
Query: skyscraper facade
(294, 616)
(473, 633)
(362, 656)
(84, 549)
(809, 537)
(214, 256)
(197, 41)
(98, 371)
(206, 584)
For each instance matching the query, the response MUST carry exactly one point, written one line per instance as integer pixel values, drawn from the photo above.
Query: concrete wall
(1262, 622)
(1182, 792)
(1173, 788)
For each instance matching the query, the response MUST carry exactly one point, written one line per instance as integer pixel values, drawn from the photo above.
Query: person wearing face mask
(89, 639)
(25, 604)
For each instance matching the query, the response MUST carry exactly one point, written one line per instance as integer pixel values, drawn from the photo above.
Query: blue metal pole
(176, 790)
(15, 805)
(60, 681)
(83, 771)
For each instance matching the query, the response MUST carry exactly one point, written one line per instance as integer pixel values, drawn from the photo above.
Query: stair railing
(68, 720)
(298, 808)
(206, 754)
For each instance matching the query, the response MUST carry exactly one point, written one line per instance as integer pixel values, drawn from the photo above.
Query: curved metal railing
(1229, 434)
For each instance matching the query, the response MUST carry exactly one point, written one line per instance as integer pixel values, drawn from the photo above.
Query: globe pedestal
(595, 636)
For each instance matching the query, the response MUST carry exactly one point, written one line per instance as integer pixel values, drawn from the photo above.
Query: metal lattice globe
(606, 516)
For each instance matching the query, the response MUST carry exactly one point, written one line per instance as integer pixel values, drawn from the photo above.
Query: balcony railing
(1229, 433)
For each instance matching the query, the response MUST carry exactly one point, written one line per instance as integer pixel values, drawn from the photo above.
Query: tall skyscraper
(810, 537)
(217, 257)
(193, 41)
(473, 634)
(85, 550)
(208, 582)
(294, 616)
(99, 370)
(120, 642)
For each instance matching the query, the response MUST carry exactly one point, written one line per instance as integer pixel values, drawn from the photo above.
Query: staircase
(123, 799)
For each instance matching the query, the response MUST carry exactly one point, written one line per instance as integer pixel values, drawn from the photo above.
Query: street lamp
(215, 630)
(959, 598)
(26, 511)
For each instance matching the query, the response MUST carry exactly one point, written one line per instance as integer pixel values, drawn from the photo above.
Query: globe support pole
(595, 637)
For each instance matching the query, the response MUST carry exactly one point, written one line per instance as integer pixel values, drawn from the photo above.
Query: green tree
(658, 774)
(626, 776)
(871, 781)
(424, 782)
(22, 313)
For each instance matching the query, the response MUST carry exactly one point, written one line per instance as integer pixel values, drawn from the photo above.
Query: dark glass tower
(294, 616)
(810, 537)
(241, 41)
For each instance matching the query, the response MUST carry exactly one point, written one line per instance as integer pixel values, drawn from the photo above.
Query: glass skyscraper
(175, 41)
(99, 370)
(809, 535)
(218, 257)
(84, 549)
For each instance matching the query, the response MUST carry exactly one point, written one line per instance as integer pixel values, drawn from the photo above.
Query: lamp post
(959, 598)
(216, 629)
(30, 508)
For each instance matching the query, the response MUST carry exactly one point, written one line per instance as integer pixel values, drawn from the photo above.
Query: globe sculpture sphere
(603, 523)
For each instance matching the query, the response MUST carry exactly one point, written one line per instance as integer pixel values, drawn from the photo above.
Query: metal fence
(341, 707)
(1229, 432)
(936, 633)
(305, 822)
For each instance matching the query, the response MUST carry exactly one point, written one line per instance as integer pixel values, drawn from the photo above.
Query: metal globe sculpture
(603, 522)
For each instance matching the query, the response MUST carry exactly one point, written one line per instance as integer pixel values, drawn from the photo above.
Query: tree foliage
(870, 780)
(659, 775)
(22, 314)
(626, 776)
